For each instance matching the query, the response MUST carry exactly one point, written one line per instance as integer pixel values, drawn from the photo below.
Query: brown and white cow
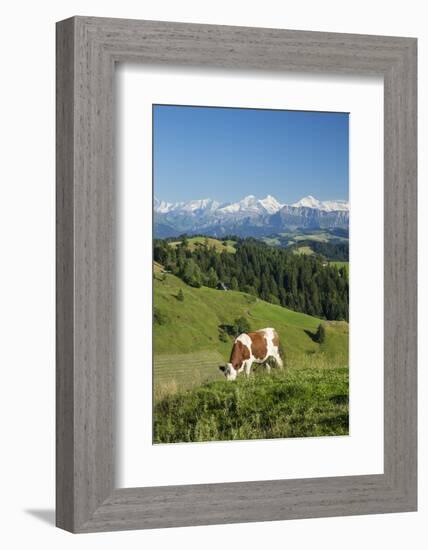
(252, 347)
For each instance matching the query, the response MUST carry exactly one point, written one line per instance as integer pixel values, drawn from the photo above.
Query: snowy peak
(201, 205)
(330, 206)
(326, 206)
(270, 204)
(248, 206)
(162, 207)
(308, 202)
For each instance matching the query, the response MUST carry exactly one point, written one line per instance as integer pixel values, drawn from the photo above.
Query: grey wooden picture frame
(87, 51)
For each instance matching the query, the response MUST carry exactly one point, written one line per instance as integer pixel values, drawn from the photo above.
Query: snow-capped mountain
(270, 204)
(247, 204)
(327, 206)
(164, 207)
(250, 204)
(248, 217)
(161, 207)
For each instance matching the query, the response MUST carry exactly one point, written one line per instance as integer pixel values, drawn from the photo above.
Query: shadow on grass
(312, 335)
(336, 422)
(341, 399)
(228, 329)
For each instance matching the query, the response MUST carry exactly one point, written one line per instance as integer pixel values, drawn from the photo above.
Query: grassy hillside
(175, 372)
(192, 326)
(194, 242)
(293, 237)
(193, 401)
(287, 403)
(303, 250)
(157, 267)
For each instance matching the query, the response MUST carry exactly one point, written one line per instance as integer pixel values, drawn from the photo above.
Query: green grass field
(175, 372)
(306, 250)
(194, 242)
(317, 236)
(271, 241)
(290, 238)
(157, 268)
(193, 325)
(192, 397)
(287, 403)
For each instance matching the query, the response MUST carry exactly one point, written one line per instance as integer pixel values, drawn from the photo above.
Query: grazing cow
(252, 347)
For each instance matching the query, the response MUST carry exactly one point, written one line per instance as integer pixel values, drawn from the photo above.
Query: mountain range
(249, 217)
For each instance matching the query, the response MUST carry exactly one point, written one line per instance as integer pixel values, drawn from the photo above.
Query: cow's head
(228, 371)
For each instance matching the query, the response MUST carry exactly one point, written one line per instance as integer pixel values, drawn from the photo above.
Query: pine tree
(192, 273)
(320, 334)
(212, 279)
(222, 336)
(241, 325)
(234, 283)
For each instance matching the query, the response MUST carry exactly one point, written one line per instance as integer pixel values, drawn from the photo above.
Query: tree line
(299, 282)
(334, 251)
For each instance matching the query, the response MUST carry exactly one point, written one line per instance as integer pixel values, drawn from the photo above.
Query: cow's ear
(222, 368)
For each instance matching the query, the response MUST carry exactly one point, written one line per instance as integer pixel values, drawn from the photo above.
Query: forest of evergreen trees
(279, 276)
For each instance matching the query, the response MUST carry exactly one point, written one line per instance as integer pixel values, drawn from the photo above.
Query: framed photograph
(236, 274)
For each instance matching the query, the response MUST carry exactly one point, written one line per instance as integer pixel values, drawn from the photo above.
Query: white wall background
(27, 272)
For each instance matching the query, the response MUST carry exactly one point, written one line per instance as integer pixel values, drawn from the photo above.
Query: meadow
(291, 238)
(289, 403)
(220, 246)
(193, 401)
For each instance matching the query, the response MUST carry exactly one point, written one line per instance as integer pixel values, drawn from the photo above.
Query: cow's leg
(247, 367)
(267, 366)
(278, 360)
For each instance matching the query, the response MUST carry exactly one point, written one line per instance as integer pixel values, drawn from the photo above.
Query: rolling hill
(195, 242)
(187, 346)
(193, 401)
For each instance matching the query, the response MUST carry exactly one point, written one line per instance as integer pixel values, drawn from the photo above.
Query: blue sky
(226, 154)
